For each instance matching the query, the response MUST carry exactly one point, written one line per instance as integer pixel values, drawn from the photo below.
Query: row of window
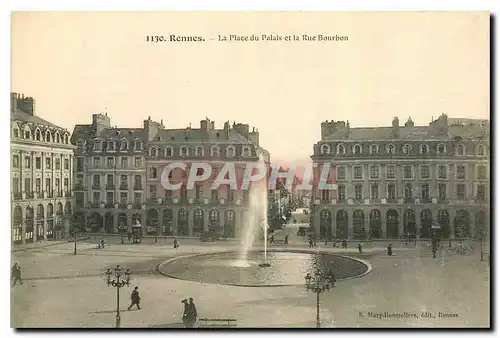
(38, 135)
(110, 181)
(110, 162)
(410, 192)
(214, 151)
(28, 187)
(408, 172)
(38, 162)
(341, 149)
(199, 195)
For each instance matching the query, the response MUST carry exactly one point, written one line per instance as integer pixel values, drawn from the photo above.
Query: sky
(416, 65)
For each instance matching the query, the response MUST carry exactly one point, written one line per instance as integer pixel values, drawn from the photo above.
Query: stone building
(404, 179)
(41, 180)
(118, 175)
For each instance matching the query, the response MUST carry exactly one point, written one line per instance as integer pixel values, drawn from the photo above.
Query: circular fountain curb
(158, 268)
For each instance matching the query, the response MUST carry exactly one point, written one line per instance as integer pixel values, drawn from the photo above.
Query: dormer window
(407, 149)
(325, 149)
(230, 151)
(16, 132)
(424, 149)
(27, 133)
(48, 136)
(184, 151)
(480, 150)
(58, 138)
(460, 150)
(245, 152)
(169, 152)
(154, 152)
(199, 151)
(214, 151)
(391, 149)
(374, 149)
(97, 146)
(124, 145)
(111, 146)
(38, 135)
(138, 145)
(340, 149)
(66, 139)
(441, 149)
(356, 149)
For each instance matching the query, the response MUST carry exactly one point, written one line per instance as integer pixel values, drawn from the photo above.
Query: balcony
(30, 195)
(68, 194)
(325, 201)
(124, 186)
(59, 194)
(49, 194)
(96, 186)
(137, 205)
(79, 168)
(110, 187)
(123, 205)
(392, 200)
(17, 196)
(109, 205)
(137, 186)
(95, 204)
(79, 187)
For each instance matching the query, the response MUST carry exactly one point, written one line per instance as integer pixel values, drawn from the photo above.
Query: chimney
(226, 130)
(100, 122)
(26, 104)
(13, 102)
(409, 123)
(395, 127)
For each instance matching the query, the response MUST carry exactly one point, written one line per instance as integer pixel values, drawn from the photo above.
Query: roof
(85, 131)
(19, 115)
(199, 135)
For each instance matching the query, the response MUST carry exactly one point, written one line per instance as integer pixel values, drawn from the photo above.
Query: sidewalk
(42, 244)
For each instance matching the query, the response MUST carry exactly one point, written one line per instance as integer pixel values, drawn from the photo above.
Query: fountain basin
(286, 267)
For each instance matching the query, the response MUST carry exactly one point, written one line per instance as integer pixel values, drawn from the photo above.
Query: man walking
(192, 314)
(135, 298)
(16, 274)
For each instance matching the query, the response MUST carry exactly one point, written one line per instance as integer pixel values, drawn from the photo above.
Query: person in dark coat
(129, 236)
(331, 278)
(185, 318)
(389, 249)
(135, 298)
(16, 273)
(360, 248)
(176, 244)
(271, 240)
(192, 313)
(286, 239)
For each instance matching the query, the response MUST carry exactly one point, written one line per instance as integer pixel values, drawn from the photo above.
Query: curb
(46, 245)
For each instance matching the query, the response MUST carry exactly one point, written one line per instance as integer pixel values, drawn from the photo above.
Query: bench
(217, 322)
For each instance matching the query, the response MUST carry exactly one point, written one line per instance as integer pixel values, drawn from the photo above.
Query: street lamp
(481, 238)
(319, 283)
(118, 279)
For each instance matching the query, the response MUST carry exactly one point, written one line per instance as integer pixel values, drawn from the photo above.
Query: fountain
(255, 220)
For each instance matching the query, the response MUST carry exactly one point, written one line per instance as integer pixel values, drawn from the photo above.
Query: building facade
(41, 166)
(408, 179)
(118, 176)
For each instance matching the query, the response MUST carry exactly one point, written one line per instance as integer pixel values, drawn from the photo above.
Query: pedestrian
(185, 318)
(16, 273)
(310, 243)
(271, 240)
(176, 243)
(192, 313)
(156, 239)
(314, 242)
(135, 298)
(344, 244)
(129, 236)
(326, 241)
(360, 248)
(286, 239)
(389, 249)
(331, 278)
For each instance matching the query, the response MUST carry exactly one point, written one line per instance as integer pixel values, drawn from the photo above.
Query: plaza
(64, 290)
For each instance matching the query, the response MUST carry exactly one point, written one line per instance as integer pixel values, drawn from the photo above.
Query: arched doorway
(392, 223)
(198, 222)
(214, 221)
(229, 224)
(17, 230)
(30, 221)
(443, 219)
(152, 222)
(122, 222)
(167, 220)
(67, 209)
(182, 222)
(462, 224)
(342, 229)
(109, 223)
(40, 221)
(425, 223)
(358, 224)
(409, 222)
(96, 222)
(480, 224)
(50, 221)
(325, 224)
(375, 224)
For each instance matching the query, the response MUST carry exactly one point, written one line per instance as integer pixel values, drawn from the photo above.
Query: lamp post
(481, 238)
(118, 279)
(319, 283)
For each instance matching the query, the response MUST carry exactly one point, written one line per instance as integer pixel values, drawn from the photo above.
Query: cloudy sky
(414, 64)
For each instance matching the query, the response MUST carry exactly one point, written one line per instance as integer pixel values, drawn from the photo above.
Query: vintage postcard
(250, 170)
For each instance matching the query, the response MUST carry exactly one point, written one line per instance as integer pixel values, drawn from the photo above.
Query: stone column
(417, 223)
(205, 219)
(349, 222)
(401, 222)
(190, 222)
(367, 223)
(23, 229)
(383, 223)
(159, 228)
(115, 221)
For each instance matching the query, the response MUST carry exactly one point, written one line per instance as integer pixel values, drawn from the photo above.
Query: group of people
(15, 274)
(190, 315)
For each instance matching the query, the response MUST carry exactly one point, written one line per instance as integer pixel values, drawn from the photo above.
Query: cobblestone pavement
(64, 290)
